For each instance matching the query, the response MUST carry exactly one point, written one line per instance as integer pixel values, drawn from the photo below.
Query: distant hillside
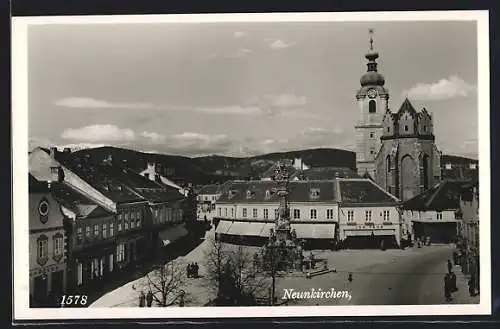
(212, 169)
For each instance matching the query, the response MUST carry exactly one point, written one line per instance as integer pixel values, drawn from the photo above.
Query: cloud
(443, 89)
(239, 34)
(86, 102)
(153, 136)
(231, 109)
(279, 44)
(287, 100)
(99, 133)
(240, 53)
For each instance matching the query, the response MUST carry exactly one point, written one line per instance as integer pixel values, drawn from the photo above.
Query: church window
(406, 127)
(388, 129)
(372, 106)
(425, 129)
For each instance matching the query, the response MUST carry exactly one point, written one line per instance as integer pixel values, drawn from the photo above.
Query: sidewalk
(462, 295)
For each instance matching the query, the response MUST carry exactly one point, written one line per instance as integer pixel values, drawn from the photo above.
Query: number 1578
(74, 300)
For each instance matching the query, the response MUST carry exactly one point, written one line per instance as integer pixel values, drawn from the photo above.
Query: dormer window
(268, 194)
(249, 194)
(314, 193)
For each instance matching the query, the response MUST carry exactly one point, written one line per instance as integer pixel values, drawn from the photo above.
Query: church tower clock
(372, 100)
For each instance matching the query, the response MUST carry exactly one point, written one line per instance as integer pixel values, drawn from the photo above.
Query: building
(206, 198)
(324, 173)
(324, 212)
(47, 246)
(435, 213)
(397, 150)
(408, 161)
(459, 168)
(152, 172)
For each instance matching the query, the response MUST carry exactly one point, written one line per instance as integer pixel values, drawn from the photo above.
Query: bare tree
(232, 276)
(165, 283)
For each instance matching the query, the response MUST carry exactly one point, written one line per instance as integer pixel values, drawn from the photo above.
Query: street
(410, 277)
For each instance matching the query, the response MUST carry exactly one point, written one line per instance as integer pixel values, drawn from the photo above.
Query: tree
(165, 283)
(232, 275)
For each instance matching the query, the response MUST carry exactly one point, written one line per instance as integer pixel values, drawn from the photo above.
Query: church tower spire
(372, 99)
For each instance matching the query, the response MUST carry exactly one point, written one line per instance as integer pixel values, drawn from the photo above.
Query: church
(396, 150)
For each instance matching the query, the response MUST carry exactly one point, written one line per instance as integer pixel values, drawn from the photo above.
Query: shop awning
(246, 228)
(172, 234)
(315, 231)
(324, 231)
(223, 227)
(266, 229)
(368, 232)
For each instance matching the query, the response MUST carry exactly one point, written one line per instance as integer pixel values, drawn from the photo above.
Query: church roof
(407, 107)
(442, 196)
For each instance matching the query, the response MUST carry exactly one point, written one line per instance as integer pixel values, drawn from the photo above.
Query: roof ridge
(433, 195)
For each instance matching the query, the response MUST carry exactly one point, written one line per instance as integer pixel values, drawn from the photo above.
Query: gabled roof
(363, 191)
(76, 202)
(442, 196)
(36, 186)
(407, 107)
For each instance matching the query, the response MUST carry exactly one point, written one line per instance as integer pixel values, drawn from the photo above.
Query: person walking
(142, 299)
(188, 270)
(450, 266)
(196, 268)
(453, 279)
(149, 298)
(447, 290)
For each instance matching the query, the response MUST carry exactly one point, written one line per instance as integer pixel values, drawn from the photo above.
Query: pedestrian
(450, 266)
(188, 270)
(349, 278)
(196, 268)
(471, 287)
(149, 298)
(453, 278)
(447, 286)
(142, 299)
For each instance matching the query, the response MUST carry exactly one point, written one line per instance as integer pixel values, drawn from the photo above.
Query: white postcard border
(20, 230)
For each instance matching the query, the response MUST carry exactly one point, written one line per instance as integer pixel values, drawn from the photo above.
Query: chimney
(151, 167)
(54, 174)
(67, 150)
(53, 151)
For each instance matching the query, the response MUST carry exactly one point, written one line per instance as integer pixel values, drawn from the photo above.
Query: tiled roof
(269, 173)
(77, 202)
(325, 173)
(160, 195)
(443, 196)
(362, 191)
(264, 191)
(214, 188)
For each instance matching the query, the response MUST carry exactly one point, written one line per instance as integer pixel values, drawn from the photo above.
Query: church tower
(372, 100)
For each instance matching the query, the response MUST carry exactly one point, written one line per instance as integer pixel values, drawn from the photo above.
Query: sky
(242, 89)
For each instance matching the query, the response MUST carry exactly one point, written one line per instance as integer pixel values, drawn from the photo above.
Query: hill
(215, 168)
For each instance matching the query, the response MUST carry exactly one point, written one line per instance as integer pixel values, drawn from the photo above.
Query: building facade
(47, 245)
(323, 212)
(435, 214)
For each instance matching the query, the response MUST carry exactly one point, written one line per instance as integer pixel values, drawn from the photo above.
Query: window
(43, 210)
(439, 215)
(386, 215)
(138, 223)
(96, 230)
(268, 194)
(276, 213)
(296, 214)
(368, 215)
(111, 229)
(406, 127)
(126, 224)
(372, 106)
(79, 274)
(132, 223)
(266, 213)
(58, 246)
(329, 213)
(244, 212)
(372, 151)
(254, 213)
(219, 211)
(79, 233)
(104, 230)
(120, 252)
(314, 214)
(425, 129)
(372, 134)
(42, 252)
(232, 212)
(225, 212)
(87, 231)
(119, 226)
(350, 216)
(388, 129)
(314, 193)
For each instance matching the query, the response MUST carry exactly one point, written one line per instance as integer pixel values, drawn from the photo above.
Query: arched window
(372, 106)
